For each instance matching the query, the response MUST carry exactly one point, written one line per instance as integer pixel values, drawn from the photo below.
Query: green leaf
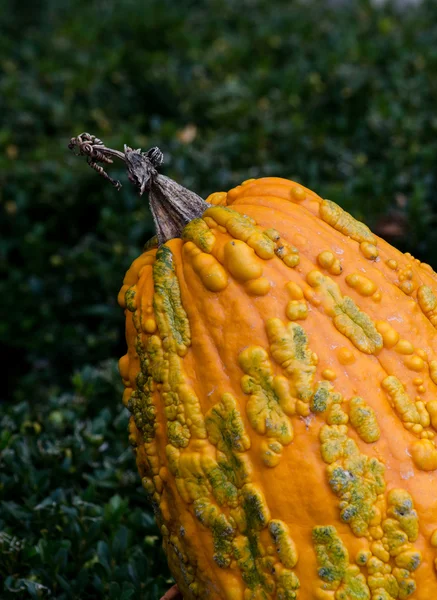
(120, 542)
(103, 554)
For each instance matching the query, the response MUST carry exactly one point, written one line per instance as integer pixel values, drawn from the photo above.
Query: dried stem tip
(172, 205)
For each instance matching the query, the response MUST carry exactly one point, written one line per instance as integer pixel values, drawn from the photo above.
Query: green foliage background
(340, 96)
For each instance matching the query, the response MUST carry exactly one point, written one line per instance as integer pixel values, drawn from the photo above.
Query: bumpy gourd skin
(282, 378)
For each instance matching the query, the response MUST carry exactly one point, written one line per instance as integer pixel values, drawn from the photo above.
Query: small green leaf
(103, 554)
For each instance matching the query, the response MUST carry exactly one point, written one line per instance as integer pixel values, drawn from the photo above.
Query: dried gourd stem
(172, 205)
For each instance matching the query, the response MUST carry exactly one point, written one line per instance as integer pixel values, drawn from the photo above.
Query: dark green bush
(73, 523)
(339, 96)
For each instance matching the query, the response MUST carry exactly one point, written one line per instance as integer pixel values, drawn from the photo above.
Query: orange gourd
(282, 378)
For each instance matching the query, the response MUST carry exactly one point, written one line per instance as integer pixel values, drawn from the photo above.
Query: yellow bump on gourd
(363, 557)
(428, 303)
(332, 554)
(159, 485)
(355, 478)
(322, 397)
(363, 419)
(402, 403)
(192, 411)
(433, 371)
(298, 193)
(257, 287)
(149, 325)
(253, 502)
(270, 399)
(370, 251)
(345, 356)
(164, 473)
(131, 298)
(408, 560)
(347, 318)
(392, 264)
(210, 222)
(272, 234)
(311, 296)
(416, 428)
(217, 198)
(400, 515)
(149, 486)
(225, 426)
(342, 221)
(315, 278)
(294, 290)
(170, 315)
(377, 296)
(222, 215)
(302, 408)
(434, 539)
(198, 232)
(376, 532)
(336, 268)
(141, 403)
(336, 415)
(287, 583)
(335, 571)
(261, 243)
(244, 229)
(414, 362)
(271, 452)
(406, 273)
(363, 285)
(404, 347)
(248, 181)
(289, 348)
(325, 259)
(287, 253)
(241, 261)
(425, 419)
(329, 374)
(418, 381)
(424, 455)
(297, 310)
(291, 260)
(431, 407)
(285, 546)
(328, 261)
(123, 367)
(379, 551)
(222, 532)
(407, 287)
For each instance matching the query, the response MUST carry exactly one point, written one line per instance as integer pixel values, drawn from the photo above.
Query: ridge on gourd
(299, 463)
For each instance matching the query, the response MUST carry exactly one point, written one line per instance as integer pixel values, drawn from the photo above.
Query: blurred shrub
(73, 521)
(337, 95)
